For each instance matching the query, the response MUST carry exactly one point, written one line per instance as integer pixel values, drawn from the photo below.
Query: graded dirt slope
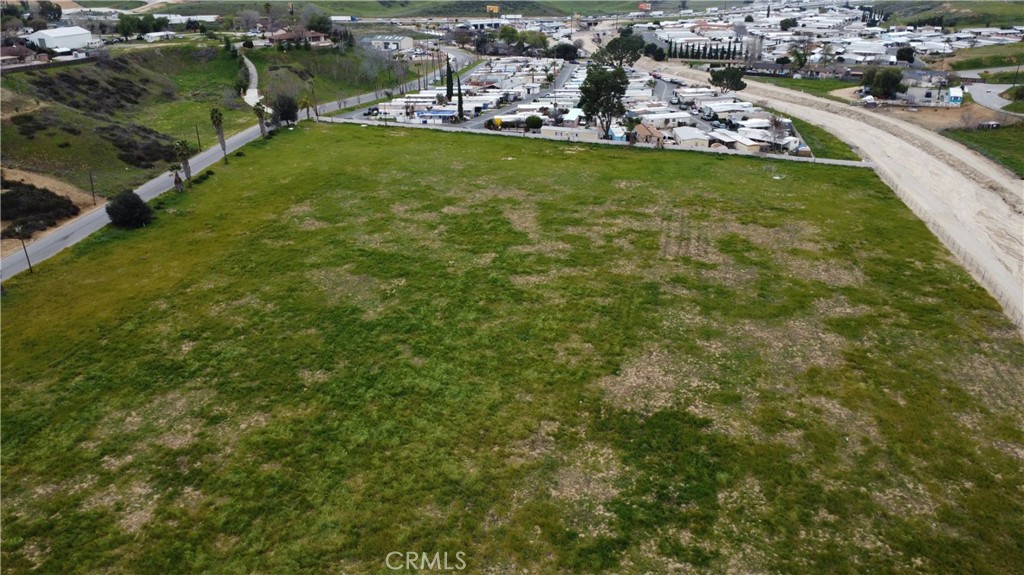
(974, 205)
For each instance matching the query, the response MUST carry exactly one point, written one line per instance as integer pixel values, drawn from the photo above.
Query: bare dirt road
(976, 207)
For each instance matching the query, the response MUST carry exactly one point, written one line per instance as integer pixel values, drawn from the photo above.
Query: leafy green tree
(217, 119)
(565, 51)
(128, 25)
(127, 210)
(319, 23)
(508, 34)
(729, 79)
(459, 79)
(534, 123)
(601, 95)
(788, 23)
(620, 52)
(286, 109)
(49, 11)
(534, 39)
(906, 54)
(887, 82)
(868, 77)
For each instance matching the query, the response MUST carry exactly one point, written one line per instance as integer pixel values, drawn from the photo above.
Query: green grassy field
(822, 143)
(551, 358)
(988, 57)
(1007, 77)
(1002, 145)
(811, 86)
(118, 4)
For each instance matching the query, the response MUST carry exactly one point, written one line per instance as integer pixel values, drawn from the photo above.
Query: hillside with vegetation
(120, 116)
(957, 14)
(552, 358)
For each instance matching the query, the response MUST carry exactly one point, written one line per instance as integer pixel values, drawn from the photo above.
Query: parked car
(372, 111)
(674, 101)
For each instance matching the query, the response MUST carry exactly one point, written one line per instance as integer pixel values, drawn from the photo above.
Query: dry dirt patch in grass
(365, 292)
(654, 381)
(1003, 387)
(587, 481)
(134, 504)
(792, 347)
(535, 447)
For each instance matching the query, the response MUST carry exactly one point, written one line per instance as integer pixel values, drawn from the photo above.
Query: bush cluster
(140, 146)
(33, 208)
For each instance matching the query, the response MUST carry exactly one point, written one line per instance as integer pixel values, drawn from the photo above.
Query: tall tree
(620, 52)
(261, 116)
(182, 150)
(49, 11)
(601, 95)
(217, 119)
(305, 104)
(449, 85)
(728, 79)
(459, 80)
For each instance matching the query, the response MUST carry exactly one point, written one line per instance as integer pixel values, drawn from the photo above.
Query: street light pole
(17, 232)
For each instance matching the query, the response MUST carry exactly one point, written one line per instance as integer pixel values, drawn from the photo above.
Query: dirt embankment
(80, 197)
(975, 206)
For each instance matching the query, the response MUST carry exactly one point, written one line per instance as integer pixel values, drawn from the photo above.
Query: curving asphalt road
(77, 230)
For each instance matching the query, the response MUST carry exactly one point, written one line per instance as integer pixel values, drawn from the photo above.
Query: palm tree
(175, 168)
(305, 104)
(182, 150)
(261, 113)
(217, 119)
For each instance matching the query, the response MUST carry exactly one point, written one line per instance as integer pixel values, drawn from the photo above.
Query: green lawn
(822, 143)
(816, 87)
(1017, 107)
(551, 358)
(1002, 145)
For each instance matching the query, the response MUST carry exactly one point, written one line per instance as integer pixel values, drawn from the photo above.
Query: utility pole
(198, 143)
(92, 188)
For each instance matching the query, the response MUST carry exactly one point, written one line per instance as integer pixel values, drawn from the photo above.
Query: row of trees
(131, 25)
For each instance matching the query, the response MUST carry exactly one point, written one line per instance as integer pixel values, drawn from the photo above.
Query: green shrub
(33, 208)
(127, 210)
